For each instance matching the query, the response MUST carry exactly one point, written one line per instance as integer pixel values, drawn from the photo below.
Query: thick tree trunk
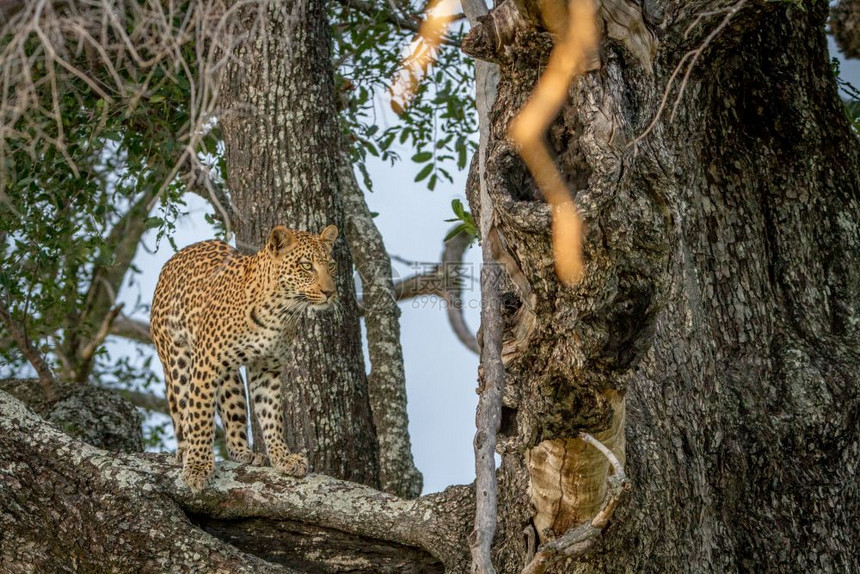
(282, 141)
(719, 308)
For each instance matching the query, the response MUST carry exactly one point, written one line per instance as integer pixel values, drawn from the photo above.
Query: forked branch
(151, 485)
(90, 348)
(444, 280)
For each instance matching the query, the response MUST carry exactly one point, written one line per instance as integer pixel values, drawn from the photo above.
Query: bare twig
(200, 182)
(692, 57)
(91, 42)
(87, 351)
(579, 539)
(30, 352)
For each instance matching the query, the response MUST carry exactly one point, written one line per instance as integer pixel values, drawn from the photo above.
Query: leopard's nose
(327, 292)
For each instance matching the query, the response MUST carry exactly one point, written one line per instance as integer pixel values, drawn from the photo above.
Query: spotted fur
(215, 310)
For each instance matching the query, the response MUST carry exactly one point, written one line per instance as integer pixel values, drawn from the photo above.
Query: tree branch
(134, 329)
(387, 378)
(412, 24)
(120, 247)
(452, 260)
(30, 352)
(489, 416)
(152, 498)
(443, 281)
(368, 9)
(200, 182)
(146, 401)
(87, 352)
(689, 59)
(492, 371)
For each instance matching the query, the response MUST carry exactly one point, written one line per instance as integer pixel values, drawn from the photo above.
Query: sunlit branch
(572, 55)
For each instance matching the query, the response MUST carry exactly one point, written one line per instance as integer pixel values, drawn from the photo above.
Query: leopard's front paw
(247, 456)
(197, 474)
(259, 459)
(291, 464)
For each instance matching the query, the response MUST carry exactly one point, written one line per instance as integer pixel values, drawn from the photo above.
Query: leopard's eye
(306, 265)
(332, 266)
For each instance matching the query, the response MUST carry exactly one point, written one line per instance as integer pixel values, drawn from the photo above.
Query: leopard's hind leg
(233, 411)
(178, 366)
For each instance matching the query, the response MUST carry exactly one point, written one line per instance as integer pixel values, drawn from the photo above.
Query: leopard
(215, 310)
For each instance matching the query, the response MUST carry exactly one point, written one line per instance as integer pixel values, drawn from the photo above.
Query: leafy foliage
(438, 124)
(466, 225)
(84, 168)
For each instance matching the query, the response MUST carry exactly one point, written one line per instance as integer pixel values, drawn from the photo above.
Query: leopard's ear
(281, 240)
(328, 235)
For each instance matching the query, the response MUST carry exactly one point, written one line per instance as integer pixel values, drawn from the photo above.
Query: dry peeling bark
(68, 506)
(720, 304)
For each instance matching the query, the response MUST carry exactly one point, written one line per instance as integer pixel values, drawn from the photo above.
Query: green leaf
(457, 207)
(422, 156)
(456, 230)
(425, 171)
(153, 222)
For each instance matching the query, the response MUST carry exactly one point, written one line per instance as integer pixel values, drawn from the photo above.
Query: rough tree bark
(281, 131)
(66, 506)
(720, 303)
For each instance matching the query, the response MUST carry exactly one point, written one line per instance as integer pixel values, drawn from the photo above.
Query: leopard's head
(303, 264)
